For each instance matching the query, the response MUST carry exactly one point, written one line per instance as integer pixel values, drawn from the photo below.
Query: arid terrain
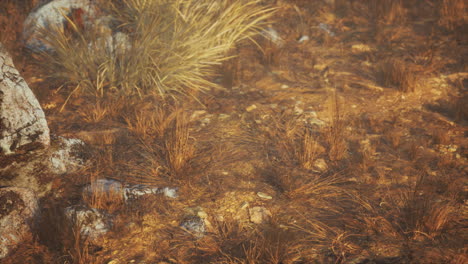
(337, 133)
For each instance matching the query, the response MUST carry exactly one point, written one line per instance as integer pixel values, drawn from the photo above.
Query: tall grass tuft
(156, 47)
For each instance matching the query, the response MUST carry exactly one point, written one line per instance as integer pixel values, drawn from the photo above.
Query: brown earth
(358, 135)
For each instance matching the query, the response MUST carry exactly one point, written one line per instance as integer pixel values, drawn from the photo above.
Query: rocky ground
(339, 137)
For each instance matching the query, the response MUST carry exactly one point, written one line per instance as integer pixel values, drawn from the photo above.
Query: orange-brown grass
(234, 242)
(335, 133)
(179, 146)
(398, 73)
(29, 251)
(151, 122)
(420, 213)
(453, 13)
(441, 136)
(101, 109)
(100, 198)
(309, 150)
(164, 150)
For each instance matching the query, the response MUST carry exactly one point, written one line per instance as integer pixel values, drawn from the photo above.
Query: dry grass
(100, 197)
(172, 46)
(387, 11)
(179, 146)
(309, 150)
(399, 74)
(453, 13)
(151, 122)
(335, 133)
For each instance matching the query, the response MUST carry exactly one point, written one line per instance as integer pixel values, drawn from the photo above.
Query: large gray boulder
(18, 207)
(22, 120)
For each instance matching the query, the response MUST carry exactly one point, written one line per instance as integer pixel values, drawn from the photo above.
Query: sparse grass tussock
(163, 47)
(335, 133)
(399, 74)
(309, 150)
(453, 13)
(179, 146)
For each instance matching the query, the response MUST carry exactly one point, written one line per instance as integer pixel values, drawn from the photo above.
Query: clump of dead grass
(453, 13)
(335, 133)
(172, 46)
(400, 74)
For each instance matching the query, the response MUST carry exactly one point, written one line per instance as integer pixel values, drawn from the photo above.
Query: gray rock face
(22, 120)
(92, 223)
(17, 209)
(50, 16)
(67, 157)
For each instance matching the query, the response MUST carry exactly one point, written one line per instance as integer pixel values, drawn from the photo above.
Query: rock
(320, 165)
(259, 215)
(92, 223)
(195, 221)
(326, 28)
(361, 48)
(303, 38)
(250, 108)
(135, 191)
(69, 156)
(116, 44)
(18, 206)
(264, 196)
(22, 120)
(51, 17)
(195, 225)
(129, 192)
(273, 35)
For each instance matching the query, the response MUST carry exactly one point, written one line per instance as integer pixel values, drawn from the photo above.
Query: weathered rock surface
(93, 223)
(50, 16)
(110, 187)
(22, 120)
(68, 157)
(18, 207)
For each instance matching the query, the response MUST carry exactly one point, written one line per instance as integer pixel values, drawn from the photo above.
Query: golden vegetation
(340, 193)
(170, 48)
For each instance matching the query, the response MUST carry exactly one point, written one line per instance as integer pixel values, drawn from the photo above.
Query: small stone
(92, 222)
(244, 205)
(251, 108)
(259, 215)
(360, 48)
(194, 225)
(320, 165)
(284, 86)
(264, 196)
(273, 35)
(303, 38)
(298, 110)
(196, 114)
(223, 116)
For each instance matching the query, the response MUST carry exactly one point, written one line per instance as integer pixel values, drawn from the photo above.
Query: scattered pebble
(303, 38)
(264, 196)
(360, 48)
(320, 165)
(326, 28)
(273, 35)
(259, 215)
(251, 108)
